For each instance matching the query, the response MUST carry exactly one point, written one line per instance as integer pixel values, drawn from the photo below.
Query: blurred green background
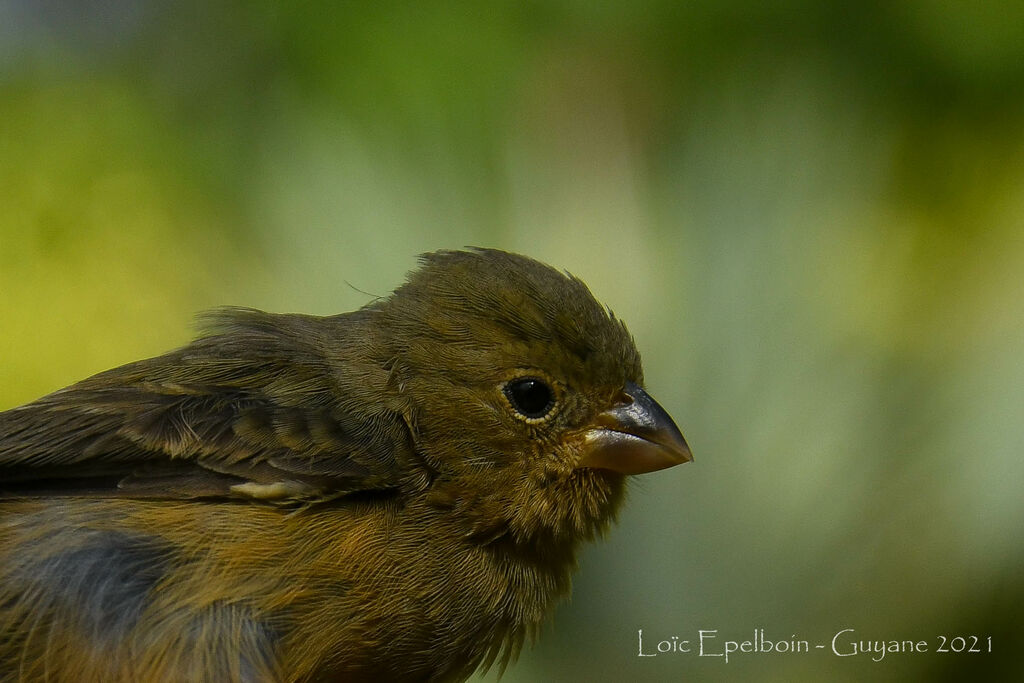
(810, 215)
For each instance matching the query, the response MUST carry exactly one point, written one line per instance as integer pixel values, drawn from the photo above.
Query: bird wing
(254, 412)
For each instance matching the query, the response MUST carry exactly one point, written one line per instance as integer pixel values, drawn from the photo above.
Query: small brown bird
(392, 494)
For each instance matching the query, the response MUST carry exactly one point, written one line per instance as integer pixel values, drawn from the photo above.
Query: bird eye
(531, 397)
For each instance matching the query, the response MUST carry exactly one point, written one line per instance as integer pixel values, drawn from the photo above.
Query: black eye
(531, 397)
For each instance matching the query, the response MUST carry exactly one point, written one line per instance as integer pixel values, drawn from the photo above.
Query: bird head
(523, 393)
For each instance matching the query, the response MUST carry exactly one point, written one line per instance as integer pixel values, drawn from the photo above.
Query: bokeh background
(811, 214)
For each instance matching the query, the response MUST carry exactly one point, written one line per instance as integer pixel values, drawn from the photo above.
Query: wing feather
(256, 411)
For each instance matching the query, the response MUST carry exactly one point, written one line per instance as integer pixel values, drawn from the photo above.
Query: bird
(396, 493)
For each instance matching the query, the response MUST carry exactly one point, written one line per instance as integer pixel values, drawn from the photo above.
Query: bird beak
(634, 437)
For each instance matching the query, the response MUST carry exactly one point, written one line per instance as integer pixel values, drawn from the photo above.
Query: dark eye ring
(531, 397)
